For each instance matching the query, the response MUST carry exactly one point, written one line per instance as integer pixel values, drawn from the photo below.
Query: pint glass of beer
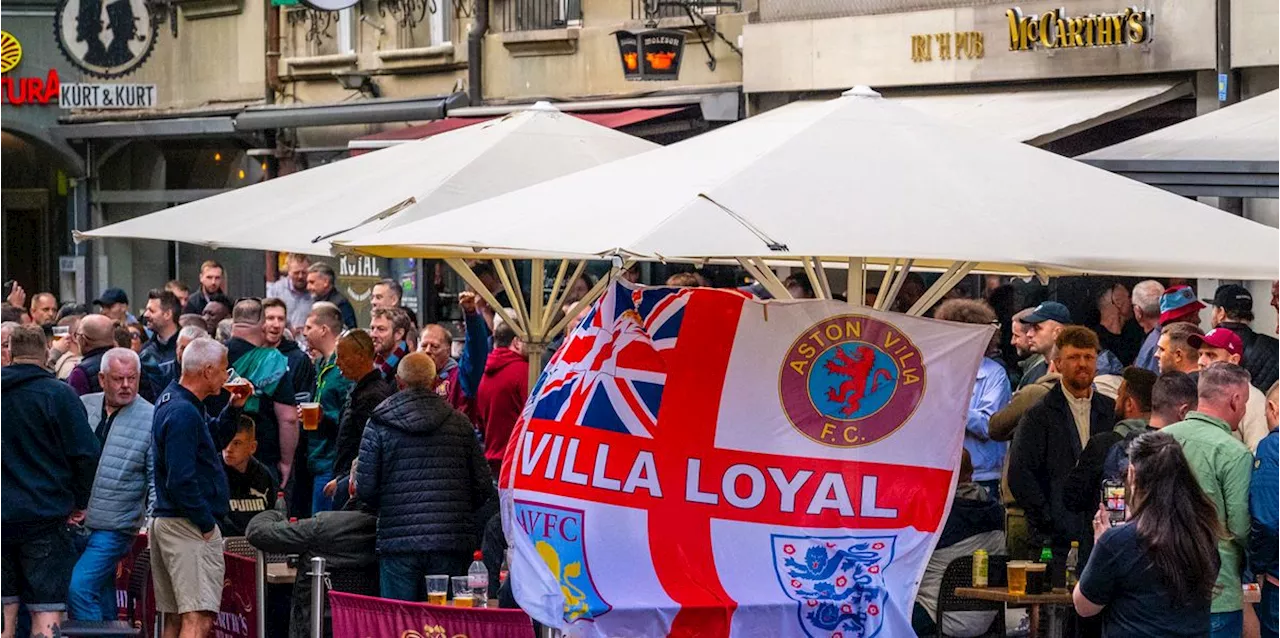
(462, 594)
(437, 589)
(236, 384)
(1017, 577)
(310, 415)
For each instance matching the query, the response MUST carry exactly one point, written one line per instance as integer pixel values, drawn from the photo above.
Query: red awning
(616, 119)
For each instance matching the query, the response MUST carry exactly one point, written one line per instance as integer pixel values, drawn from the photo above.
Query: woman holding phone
(1154, 575)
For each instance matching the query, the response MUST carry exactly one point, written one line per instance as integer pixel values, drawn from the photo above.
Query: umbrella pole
(885, 300)
(755, 273)
(885, 282)
(507, 273)
(958, 270)
(818, 290)
(535, 356)
(822, 276)
(856, 290)
(459, 266)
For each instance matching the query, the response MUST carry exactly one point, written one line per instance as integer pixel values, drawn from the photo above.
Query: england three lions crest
(850, 381)
(837, 582)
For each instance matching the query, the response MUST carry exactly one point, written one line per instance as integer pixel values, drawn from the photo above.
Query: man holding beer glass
(320, 417)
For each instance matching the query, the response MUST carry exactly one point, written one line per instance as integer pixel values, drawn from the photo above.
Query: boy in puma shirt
(251, 487)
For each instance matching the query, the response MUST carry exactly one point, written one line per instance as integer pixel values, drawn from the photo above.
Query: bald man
(421, 466)
(97, 336)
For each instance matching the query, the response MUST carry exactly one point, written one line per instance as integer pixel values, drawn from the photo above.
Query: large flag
(696, 462)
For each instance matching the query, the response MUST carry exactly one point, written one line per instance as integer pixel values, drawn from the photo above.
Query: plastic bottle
(1073, 565)
(478, 578)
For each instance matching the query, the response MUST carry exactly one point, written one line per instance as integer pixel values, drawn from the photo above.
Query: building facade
(244, 91)
(40, 170)
(1103, 71)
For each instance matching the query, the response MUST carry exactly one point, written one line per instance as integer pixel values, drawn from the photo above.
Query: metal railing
(658, 9)
(530, 15)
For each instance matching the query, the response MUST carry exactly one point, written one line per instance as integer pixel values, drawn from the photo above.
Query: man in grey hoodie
(121, 487)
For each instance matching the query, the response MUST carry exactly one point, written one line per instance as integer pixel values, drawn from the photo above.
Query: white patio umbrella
(303, 211)
(861, 179)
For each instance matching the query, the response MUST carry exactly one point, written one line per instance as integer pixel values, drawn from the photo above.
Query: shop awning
(397, 136)
(371, 111)
(1041, 114)
(1230, 152)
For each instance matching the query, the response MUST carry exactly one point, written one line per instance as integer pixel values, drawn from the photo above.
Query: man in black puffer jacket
(1233, 310)
(421, 467)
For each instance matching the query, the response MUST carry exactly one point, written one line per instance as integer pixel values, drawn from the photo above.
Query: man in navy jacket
(191, 490)
(49, 458)
(1263, 511)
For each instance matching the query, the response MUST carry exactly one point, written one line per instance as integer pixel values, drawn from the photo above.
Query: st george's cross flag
(694, 462)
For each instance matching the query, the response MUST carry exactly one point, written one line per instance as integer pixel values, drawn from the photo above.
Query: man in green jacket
(1222, 465)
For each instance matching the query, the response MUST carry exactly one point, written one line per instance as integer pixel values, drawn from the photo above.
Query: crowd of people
(1182, 420)
(192, 428)
(192, 424)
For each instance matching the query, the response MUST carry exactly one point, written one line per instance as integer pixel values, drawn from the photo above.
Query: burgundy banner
(239, 613)
(364, 616)
(236, 619)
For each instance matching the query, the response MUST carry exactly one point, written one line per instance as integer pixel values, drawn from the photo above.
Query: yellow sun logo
(10, 52)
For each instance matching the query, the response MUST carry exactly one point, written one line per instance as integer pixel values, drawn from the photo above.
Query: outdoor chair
(138, 580)
(960, 574)
(363, 581)
(239, 545)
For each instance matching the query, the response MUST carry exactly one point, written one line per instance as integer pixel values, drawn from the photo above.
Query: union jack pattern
(610, 371)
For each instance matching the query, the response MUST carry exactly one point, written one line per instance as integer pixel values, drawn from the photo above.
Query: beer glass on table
(462, 594)
(1017, 577)
(437, 589)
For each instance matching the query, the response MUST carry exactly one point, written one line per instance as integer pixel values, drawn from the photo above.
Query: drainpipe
(475, 47)
(1222, 65)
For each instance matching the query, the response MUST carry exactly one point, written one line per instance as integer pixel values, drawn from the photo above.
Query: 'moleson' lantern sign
(650, 55)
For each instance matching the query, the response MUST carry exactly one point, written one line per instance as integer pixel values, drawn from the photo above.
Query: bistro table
(1033, 601)
(281, 574)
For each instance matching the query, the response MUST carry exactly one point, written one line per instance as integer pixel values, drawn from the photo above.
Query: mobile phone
(1113, 499)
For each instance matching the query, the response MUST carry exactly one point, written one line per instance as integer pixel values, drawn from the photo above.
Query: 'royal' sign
(1055, 30)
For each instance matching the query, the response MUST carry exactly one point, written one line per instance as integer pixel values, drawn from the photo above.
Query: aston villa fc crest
(105, 38)
(850, 381)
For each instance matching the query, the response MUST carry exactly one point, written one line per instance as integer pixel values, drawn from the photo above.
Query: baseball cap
(1178, 302)
(1218, 338)
(1232, 298)
(1048, 311)
(111, 296)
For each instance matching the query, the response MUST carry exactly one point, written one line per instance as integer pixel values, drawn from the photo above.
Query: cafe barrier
(356, 616)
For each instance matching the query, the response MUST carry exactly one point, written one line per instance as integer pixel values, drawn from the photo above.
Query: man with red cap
(1221, 344)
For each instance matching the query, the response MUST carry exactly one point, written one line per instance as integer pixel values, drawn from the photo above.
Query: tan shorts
(186, 569)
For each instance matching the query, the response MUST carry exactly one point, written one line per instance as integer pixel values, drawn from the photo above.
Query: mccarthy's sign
(693, 461)
(1057, 30)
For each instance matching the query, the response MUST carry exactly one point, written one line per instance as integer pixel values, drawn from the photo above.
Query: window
(529, 15)
(658, 9)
